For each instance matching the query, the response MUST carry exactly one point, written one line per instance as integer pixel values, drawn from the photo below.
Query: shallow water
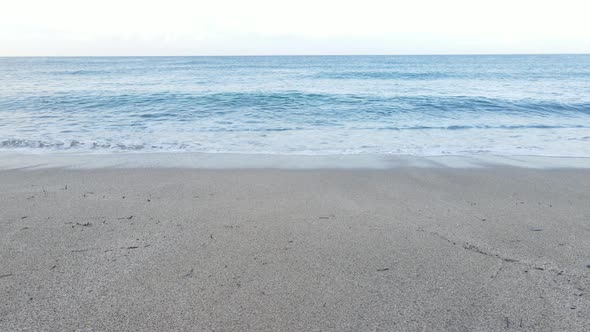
(416, 105)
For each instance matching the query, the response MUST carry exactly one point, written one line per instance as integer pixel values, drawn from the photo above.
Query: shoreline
(194, 160)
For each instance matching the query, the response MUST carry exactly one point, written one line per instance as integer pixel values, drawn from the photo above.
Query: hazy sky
(257, 27)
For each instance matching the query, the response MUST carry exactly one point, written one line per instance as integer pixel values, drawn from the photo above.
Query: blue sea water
(417, 105)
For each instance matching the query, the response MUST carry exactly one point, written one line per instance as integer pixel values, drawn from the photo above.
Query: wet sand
(417, 249)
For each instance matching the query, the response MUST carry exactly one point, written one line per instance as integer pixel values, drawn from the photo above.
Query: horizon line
(285, 55)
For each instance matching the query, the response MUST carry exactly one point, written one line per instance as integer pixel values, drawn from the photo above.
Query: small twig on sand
(189, 274)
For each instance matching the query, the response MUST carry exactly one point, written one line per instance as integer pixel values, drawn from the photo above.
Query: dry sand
(406, 249)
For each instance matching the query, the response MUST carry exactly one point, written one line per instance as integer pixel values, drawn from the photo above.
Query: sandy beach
(402, 249)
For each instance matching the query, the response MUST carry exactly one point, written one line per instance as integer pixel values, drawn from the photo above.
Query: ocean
(298, 105)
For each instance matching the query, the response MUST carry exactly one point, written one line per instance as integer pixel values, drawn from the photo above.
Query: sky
(292, 27)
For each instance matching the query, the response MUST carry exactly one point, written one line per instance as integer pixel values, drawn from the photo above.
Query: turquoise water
(417, 105)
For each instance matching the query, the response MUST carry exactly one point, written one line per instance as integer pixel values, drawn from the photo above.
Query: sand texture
(407, 249)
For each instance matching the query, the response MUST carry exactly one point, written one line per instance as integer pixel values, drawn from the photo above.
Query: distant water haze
(318, 105)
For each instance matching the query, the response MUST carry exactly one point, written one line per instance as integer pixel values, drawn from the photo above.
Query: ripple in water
(419, 105)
